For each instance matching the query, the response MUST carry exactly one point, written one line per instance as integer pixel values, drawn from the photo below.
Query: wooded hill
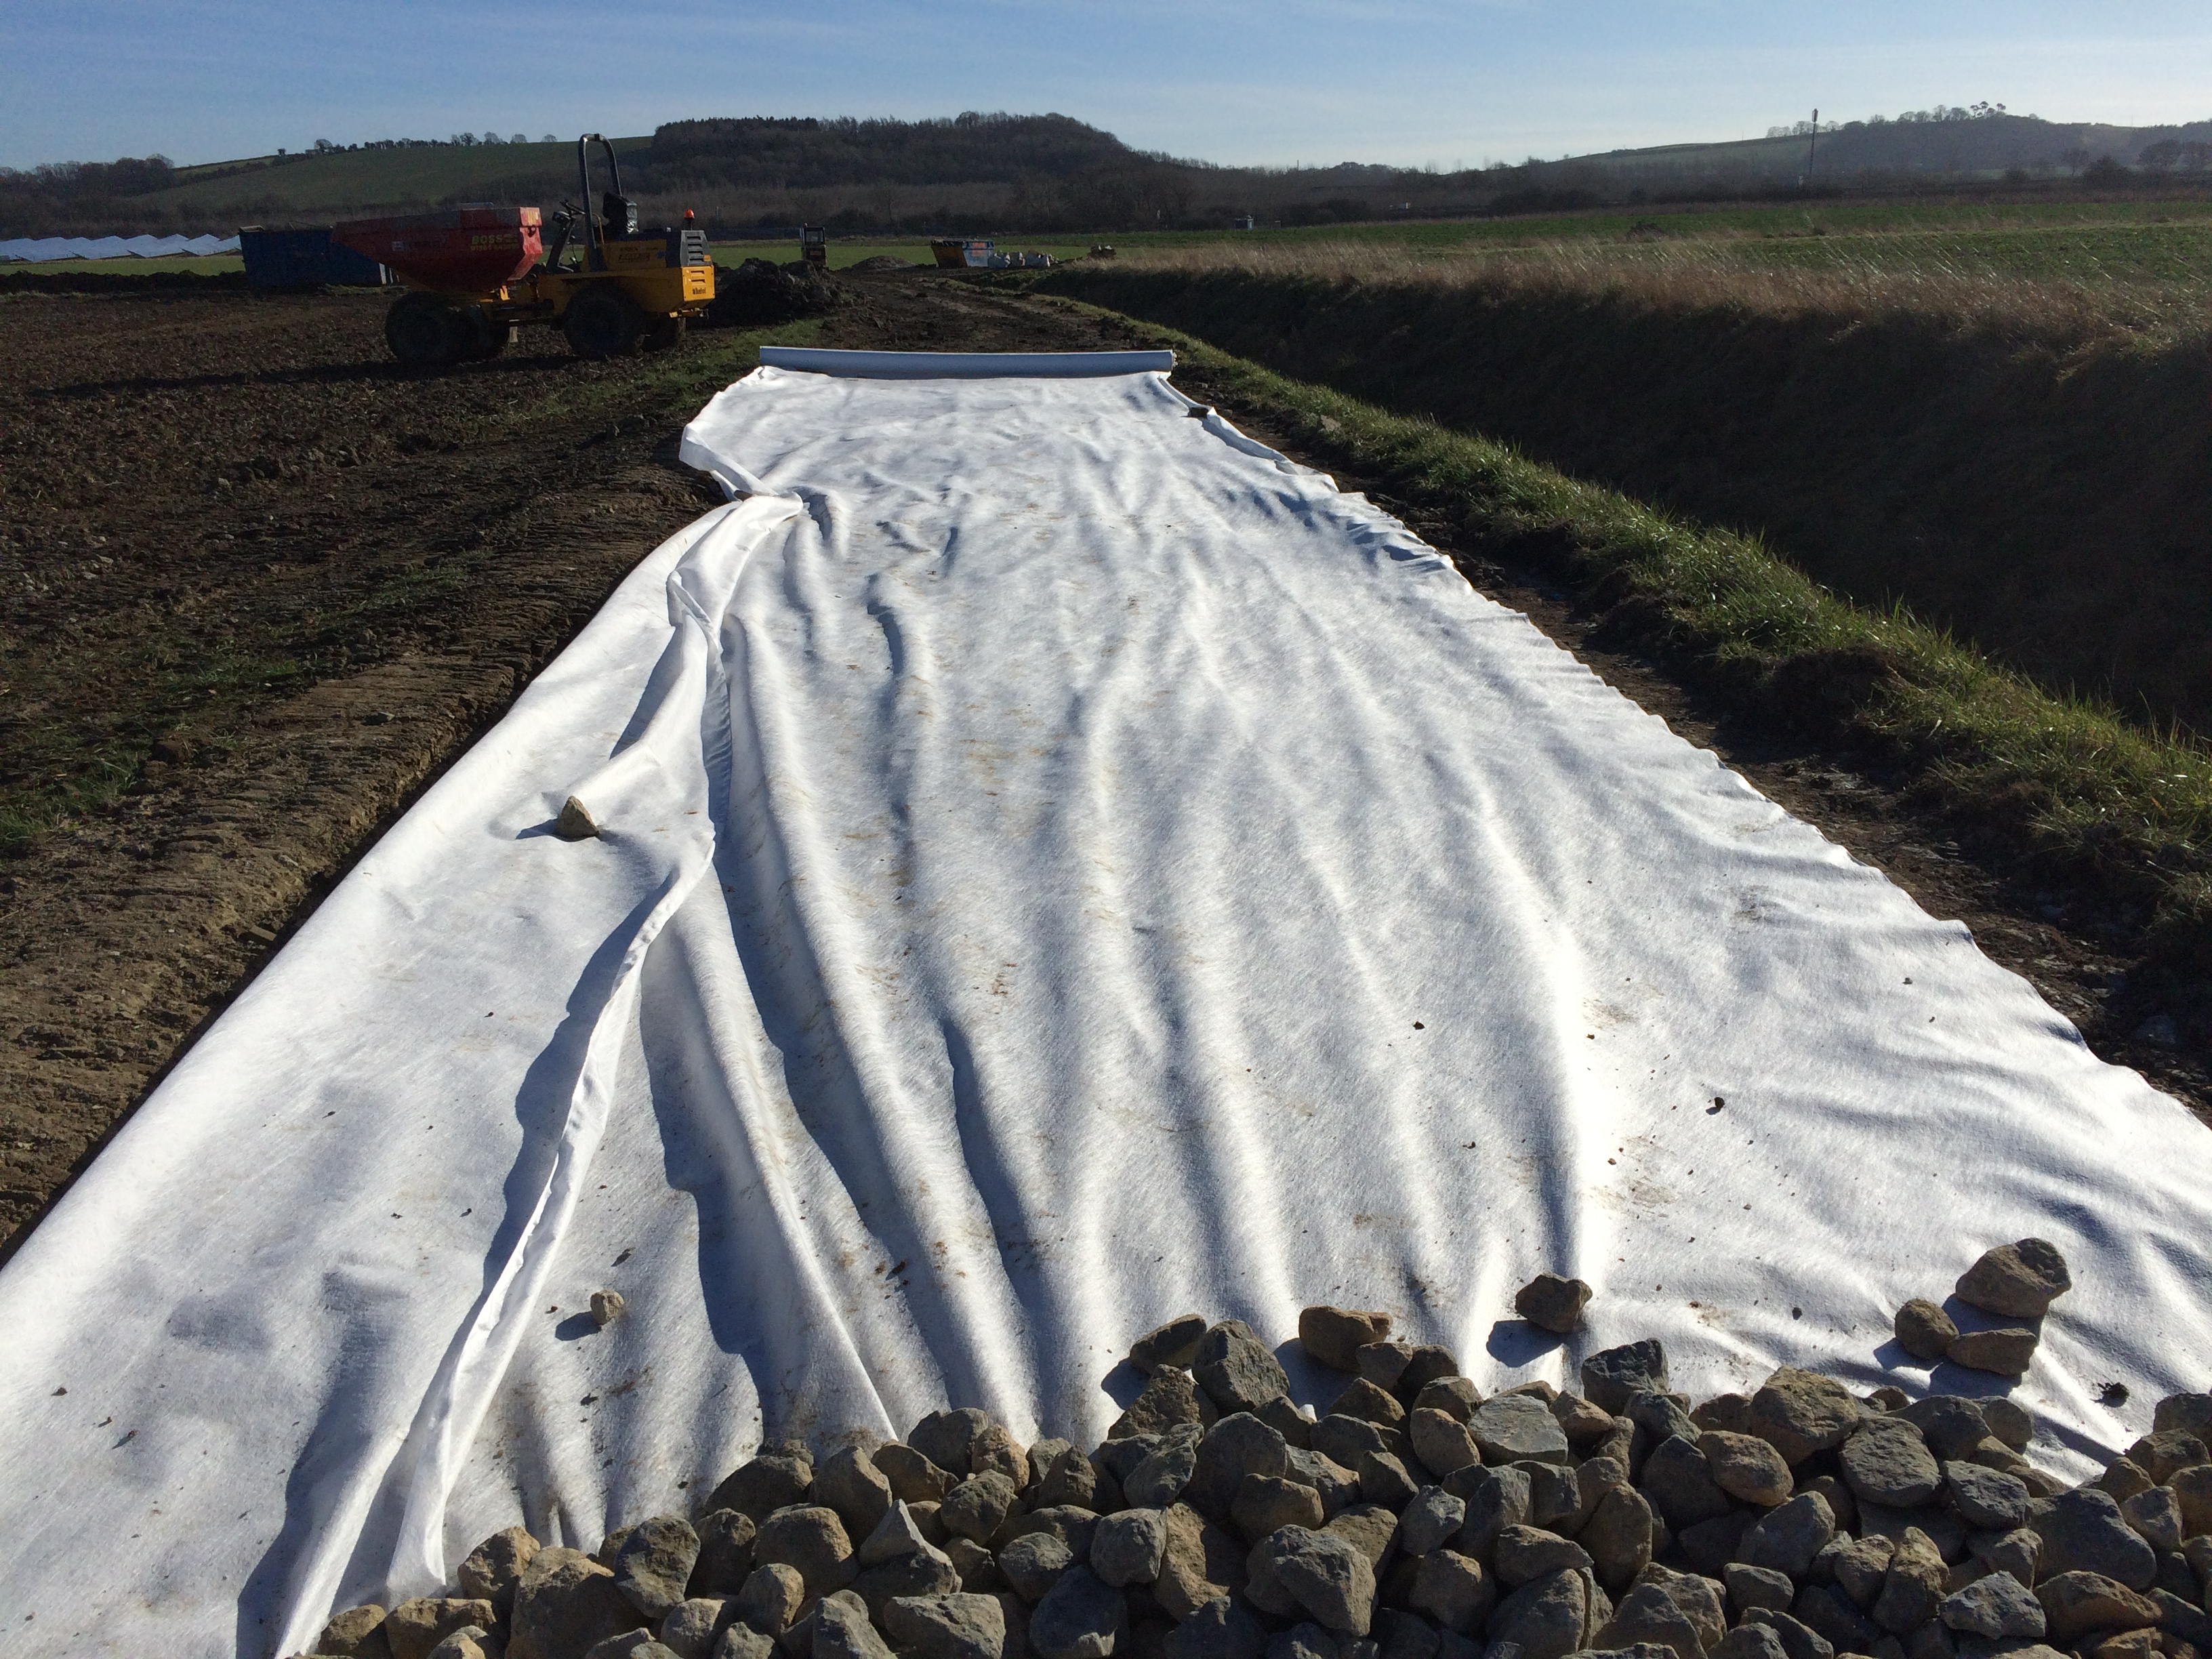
(979, 173)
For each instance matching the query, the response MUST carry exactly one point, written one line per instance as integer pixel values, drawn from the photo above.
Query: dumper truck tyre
(423, 331)
(602, 323)
(483, 338)
(664, 333)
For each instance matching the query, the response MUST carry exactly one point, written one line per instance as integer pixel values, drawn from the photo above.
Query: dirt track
(258, 584)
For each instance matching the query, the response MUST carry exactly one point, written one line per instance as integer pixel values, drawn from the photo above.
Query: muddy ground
(258, 585)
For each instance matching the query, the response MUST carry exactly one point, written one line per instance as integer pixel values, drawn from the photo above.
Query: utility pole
(1813, 148)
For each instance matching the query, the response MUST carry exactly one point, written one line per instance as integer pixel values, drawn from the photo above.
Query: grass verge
(2059, 783)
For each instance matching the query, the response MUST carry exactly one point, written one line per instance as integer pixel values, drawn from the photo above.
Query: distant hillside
(975, 172)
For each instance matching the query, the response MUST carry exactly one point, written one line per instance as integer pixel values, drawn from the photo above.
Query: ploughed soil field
(258, 584)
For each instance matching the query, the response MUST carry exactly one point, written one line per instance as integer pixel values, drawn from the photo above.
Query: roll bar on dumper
(477, 274)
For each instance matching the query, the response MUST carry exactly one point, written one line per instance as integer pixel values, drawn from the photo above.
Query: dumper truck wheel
(483, 337)
(425, 331)
(664, 333)
(603, 323)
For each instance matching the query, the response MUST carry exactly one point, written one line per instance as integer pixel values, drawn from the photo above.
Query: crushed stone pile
(1415, 1518)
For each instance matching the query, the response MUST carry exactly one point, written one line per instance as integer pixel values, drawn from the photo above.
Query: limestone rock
(1454, 1396)
(2192, 1490)
(1034, 1562)
(1382, 1363)
(1997, 1606)
(977, 1567)
(1787, 1538)
(1066, 1477)
(2076, 1603)
(1384, 1479)
(1836, 1619)
(357, 1633)
(946, 1438)
(766, 1484)
(1161, 1476)
(1454, 1590)
(1495, 1500)
(1799, 1640)
(1679, 1480)
(2166, 1452)
(849, 1481)
(1428, 1362)
(1168, 1346)
(1126, 1548)
(473, 1642)
(997, 1452)
(1610, 1376)
(973, 1509)
(958, 1627)
(2016, 1281)
(2191, 1413)
(1337, 1485)
(1266, 1502)
(1619, 1538)
(1799, 1413)
(2083, 1531)
(1751, 1586)
(1363, 1398)
(493, 1568)
(606, 1307)
(2010, 1422)
(689, 1629)
(2005, 1351)
(653, 1567)
(1986, 1499)
(575, 822)
(1429, 1522)
(1080, 1618)
(1235, 1369)
(1444, 1442)
(2156, 1517)
(771, 1596)
(1583, 1423)
(1330, 1578)
(810, 1537)
(1887, 1462)
(1553, 1304)
(842, 1630)
(1238, 1445)
(743, 1642)
(912, 1477)
(1924, 1329)
(725, 1553)
(564, 1603)
(1545, 1620)
(1334, 1335)
(1509, 1428)
(1198, 1562)
(1752, 1641)
(1913, 1587)
(1218, 1629)
(1648, 1615)
(1523, 1554)
(923, 1572)
(1745, 1466)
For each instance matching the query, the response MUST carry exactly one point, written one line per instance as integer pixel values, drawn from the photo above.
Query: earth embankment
(2030, 475)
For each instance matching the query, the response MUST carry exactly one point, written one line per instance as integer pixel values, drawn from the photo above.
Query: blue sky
(1399, 81)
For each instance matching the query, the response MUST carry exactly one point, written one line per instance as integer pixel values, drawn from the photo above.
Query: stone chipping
(1413, 1518)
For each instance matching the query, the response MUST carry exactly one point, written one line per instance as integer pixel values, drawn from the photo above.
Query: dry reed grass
(1874, 279)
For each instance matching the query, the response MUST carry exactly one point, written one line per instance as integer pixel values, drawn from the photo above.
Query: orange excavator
(476, 275)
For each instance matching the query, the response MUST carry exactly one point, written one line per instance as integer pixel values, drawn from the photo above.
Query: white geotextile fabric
(36, 250)
(1064, 866)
